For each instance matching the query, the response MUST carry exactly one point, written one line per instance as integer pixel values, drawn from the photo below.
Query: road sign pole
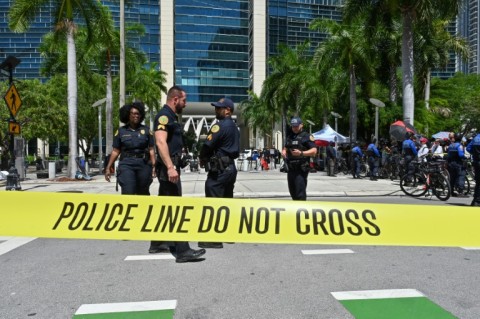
(13, 180)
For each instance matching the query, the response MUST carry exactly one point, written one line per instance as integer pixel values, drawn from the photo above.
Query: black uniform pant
(476, 194)
(330, 166)
(409, 165)
(172, 189)
(221, 184)
(373, 166)
(357, 161)
(457, 175)
(297, 183)
(134, 176)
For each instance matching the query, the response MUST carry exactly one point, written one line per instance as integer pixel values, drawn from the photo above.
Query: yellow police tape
(87, 216)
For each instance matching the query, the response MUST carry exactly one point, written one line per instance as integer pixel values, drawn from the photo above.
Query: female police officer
(134, 143)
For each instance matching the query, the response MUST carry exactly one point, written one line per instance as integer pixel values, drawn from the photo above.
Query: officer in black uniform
(169, 143)
(474, 149)
(133, 142)
(218, 155)
(299, 147)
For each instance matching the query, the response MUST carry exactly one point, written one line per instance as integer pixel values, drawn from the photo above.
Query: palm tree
(147, 85)
(412, 12)
(435, 45)
(281, 90)
(347, 47)
(23, 12)
(257, 114)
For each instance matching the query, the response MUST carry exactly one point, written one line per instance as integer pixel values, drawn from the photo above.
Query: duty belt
(134, 155)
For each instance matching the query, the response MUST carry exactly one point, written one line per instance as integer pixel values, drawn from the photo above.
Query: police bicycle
(427, 177)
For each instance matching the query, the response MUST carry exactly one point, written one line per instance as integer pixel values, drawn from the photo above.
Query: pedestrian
(456, 167)
(437, 149)
(331, 159)
(134, 143)
(423, 151)
(357, 156)
(474, 149)
(218, 154)
(373, 156)
(410, 152)
(299, 147)
(169, 144)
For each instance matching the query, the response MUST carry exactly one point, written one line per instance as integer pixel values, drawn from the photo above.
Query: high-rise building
(215, 48)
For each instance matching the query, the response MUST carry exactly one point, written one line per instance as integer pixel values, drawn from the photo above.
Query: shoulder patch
(163, 119)
(215, 128)
(312, 138)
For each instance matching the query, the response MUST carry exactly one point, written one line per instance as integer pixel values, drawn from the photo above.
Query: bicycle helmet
(457, 137)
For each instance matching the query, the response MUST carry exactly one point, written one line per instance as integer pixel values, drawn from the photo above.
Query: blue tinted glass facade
(211, 49)
(25, 45)
(289, 21)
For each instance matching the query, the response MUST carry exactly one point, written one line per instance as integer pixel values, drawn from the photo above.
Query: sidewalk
(250, 184)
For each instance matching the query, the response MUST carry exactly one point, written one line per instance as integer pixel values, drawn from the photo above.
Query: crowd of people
(456, 150)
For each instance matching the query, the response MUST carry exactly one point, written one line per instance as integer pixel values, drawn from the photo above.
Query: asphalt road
(52, 278)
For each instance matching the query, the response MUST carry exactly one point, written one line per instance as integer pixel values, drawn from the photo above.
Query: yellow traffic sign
(13, 100)
(13, 128)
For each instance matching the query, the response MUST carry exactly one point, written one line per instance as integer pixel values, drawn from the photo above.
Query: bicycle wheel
(363, 170)
(440, 186)
(413, 185)
(467, 188)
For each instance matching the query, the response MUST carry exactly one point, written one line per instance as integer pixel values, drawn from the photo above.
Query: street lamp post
(336, 116)
(377, 104)
(311, 124)
(100, 146)
(13, 180)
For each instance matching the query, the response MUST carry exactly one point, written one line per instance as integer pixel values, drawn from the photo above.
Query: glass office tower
(211, 49)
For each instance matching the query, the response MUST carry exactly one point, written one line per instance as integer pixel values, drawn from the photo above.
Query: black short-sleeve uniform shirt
(133, 141)
(223, 139)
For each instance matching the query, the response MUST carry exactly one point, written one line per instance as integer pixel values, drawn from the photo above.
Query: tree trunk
(393, 83)
(407, 67)
(122, 53)
(427, 89)
(353, 105)
(72, 104)
(108, 111)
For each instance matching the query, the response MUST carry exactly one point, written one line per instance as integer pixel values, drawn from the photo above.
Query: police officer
(169, 144)
(357, 156)
(373, 156)
(218, 155)
(410, 152)
(133, 142)
(299, 147)
(474, 149)
(456, 167)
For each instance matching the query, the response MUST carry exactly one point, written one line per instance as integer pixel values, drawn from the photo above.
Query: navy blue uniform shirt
(133, 141)
(167, 120)
(223, 139)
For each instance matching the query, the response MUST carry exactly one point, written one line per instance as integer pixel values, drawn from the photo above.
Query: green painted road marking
(391, 304)
(130, 310)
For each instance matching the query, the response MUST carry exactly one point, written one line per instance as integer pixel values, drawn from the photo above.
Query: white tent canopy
(330, 135)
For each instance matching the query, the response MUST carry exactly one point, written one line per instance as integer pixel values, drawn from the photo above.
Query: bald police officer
(218, 155)
(299, 147)
(169, 143)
